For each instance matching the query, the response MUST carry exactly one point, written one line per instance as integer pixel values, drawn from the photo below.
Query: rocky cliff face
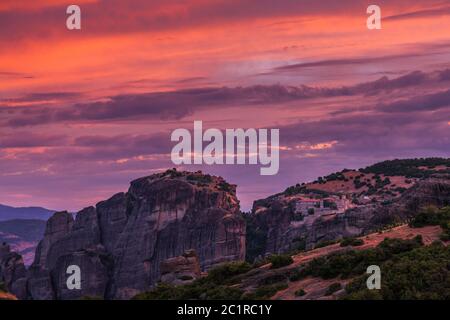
(120, 244)
(12, 270)
(275, 228)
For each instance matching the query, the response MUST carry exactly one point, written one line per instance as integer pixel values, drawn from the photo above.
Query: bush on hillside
(354, 242)
(300, 293)
(280, 260)
(420, 274)
(333, 288)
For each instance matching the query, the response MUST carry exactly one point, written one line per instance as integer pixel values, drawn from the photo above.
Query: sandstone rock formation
(273, 220)
(120, 244)
(182, 269)
(12, 270)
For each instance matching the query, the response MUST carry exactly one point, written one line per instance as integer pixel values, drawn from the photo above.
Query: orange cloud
(317, 146)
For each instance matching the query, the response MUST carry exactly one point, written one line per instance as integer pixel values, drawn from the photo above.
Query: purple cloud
(176, 105)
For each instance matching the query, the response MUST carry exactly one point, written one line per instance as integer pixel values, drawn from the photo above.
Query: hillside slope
(316, 288)
(333, 272)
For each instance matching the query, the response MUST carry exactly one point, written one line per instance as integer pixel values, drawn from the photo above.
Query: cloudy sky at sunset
(84, 112)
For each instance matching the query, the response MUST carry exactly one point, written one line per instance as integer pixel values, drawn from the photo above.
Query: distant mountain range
(22, 228)
(30, 230)
(11, 213)
(23, 235)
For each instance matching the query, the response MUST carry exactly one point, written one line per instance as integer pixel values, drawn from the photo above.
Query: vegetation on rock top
(411, 168)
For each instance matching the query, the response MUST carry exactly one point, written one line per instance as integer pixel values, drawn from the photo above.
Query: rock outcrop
(275, 228)
(12, 271)
(120, 244)
(182, 269)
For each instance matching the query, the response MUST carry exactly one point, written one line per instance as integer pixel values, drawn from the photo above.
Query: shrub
(407, 167)
(422, 273)
(225, 271)
(199, 289)
(426, 217)
(200, 178)
(225, 186)
(298, 217)
(333, 288)
(294, 190)
(330, 204)
(352, 263)
(267, 291)
(224, 293)
(351, 242)
(434, 216)
(325, 243)
(444, 237)
(91, 298)
(300, 293)
(296, 274)
(272, 279)
(396, 246)
(400, 189)
(280, 260)
(162, 291)
(364, 294)
(173, 173)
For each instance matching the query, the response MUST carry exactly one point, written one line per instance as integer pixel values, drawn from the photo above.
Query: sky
(84, 112)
